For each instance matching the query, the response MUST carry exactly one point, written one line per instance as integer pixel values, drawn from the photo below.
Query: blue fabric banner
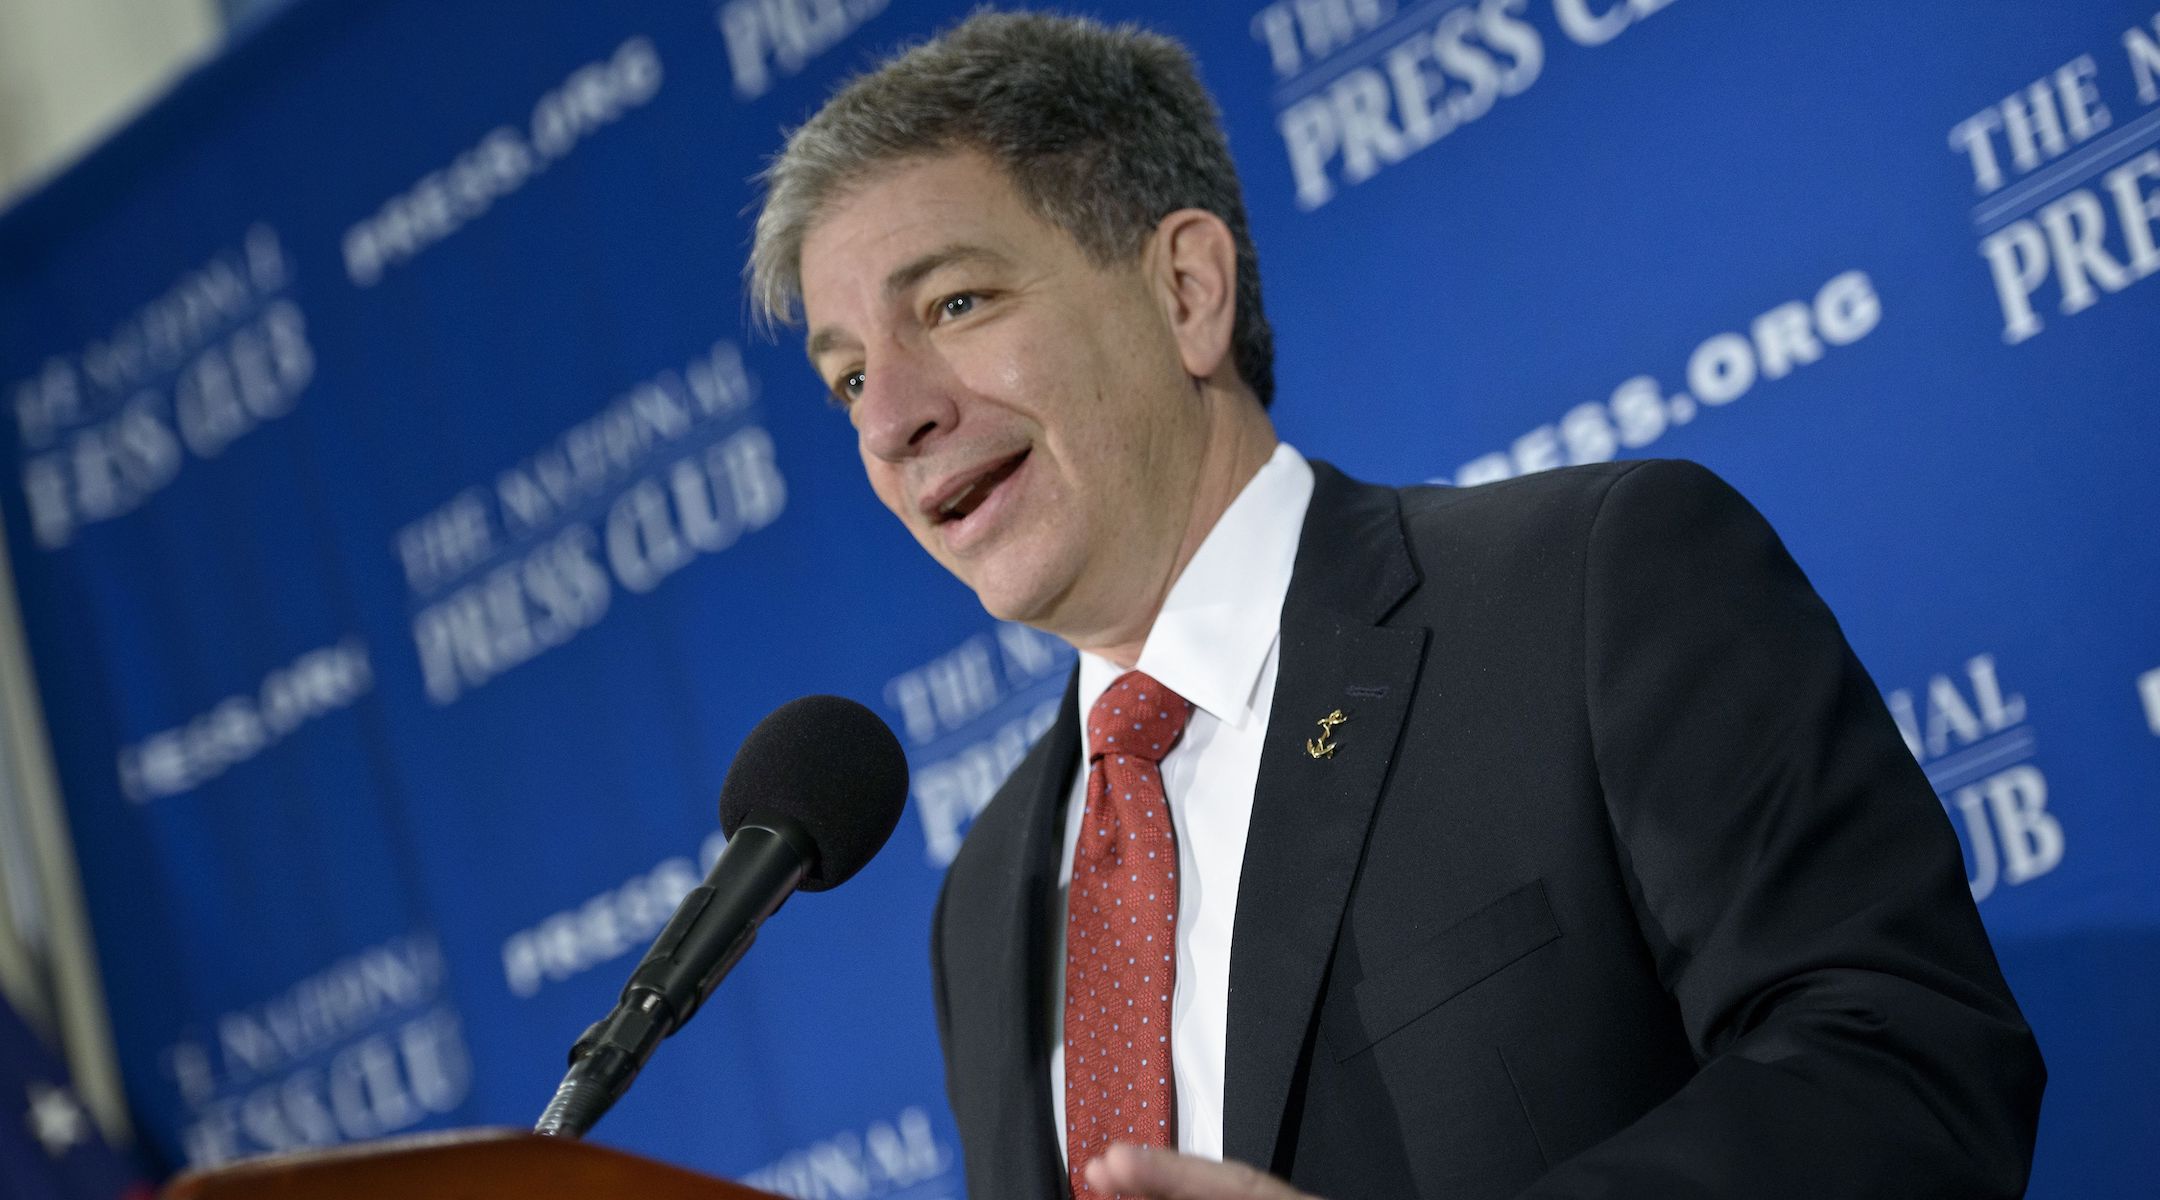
(409, 527)
(50, 1149)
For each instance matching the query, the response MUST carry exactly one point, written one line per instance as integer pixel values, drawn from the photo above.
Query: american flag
(50, 1149)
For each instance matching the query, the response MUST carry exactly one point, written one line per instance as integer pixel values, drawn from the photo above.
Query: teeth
(950, 506)
(989, 479)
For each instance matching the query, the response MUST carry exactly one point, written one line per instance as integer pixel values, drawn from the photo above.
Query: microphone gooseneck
(814, 792)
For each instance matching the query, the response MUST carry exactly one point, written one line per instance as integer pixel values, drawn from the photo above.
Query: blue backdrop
(408, 530)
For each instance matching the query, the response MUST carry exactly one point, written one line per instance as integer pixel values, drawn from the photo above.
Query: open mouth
(968, 499)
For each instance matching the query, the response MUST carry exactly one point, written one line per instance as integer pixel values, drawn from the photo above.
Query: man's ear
(1194, 274)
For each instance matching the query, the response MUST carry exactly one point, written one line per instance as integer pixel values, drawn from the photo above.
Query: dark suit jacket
(1622, 883)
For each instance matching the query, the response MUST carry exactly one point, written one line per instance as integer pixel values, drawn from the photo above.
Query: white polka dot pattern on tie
(1119, 979)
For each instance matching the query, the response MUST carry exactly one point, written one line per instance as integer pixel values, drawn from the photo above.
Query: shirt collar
(1224, 613)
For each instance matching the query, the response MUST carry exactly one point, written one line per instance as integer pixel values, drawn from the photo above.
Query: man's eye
(848, 389)
(956, 306)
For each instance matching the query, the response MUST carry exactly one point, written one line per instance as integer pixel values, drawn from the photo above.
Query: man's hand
(1124, 1170)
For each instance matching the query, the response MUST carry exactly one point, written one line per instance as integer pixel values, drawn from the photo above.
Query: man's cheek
(889, 491)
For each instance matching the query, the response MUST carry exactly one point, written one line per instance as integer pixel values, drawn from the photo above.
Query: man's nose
(905, 403)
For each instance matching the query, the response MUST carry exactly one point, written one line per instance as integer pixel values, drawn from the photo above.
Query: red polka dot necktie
(1121, 931)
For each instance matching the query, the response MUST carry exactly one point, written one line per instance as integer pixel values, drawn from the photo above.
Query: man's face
(1023, 411)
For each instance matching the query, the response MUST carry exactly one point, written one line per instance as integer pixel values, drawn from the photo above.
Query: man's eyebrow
(910, 273)
(905, 276)
(821, 341)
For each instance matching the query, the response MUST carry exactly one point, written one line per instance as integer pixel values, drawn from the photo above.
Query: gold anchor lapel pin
(1323, 746)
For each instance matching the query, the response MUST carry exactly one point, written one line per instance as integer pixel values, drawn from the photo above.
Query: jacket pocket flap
(1443, 967)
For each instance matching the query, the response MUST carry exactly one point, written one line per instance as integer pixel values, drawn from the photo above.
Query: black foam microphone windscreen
(833, 767)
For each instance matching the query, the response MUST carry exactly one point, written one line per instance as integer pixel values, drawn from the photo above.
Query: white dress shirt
(1215, 643)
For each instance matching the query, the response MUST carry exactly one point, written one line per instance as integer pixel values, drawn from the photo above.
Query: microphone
(813, 794)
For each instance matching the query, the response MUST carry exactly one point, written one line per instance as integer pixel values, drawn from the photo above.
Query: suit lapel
(1310, 814)
(1023, 900)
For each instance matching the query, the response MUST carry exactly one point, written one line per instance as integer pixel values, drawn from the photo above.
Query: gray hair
(1102, 131)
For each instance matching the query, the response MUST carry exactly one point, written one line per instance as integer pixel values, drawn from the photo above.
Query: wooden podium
(472, 1164)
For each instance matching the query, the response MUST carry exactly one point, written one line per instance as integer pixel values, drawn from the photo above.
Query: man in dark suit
(1538, 839)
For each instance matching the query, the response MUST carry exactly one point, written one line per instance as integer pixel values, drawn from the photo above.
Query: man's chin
(1020, 610)
(1024, 602)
